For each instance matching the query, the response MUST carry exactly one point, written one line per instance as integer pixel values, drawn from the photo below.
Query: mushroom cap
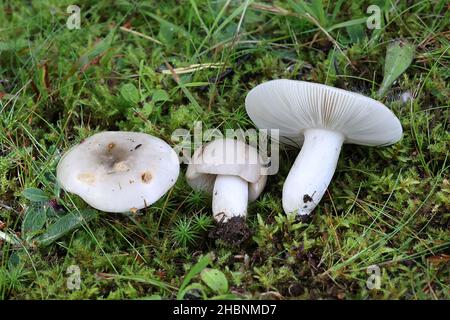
(226, 157)
(294, 106)
(119, 171)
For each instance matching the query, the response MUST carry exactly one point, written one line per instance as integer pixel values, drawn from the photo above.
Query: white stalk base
(312, 171)
(230, 197)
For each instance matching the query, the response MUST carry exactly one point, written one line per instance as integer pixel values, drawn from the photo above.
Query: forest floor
(386, 211)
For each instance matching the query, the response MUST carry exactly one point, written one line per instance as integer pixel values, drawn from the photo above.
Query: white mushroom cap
(294, 106)
(322, 118)
(226, 157)
(119, 171)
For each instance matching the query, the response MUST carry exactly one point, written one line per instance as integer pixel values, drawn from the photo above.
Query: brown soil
(234, 232)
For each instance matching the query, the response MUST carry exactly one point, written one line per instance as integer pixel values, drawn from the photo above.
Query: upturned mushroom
(232, 171)
(117, 171)
(323, 118)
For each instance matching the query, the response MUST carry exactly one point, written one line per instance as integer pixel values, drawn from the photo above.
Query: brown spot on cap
(120, 166)
(87, 177)
(111, 146)
(146, 177)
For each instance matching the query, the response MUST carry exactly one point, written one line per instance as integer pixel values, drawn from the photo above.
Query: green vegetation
(386, 206)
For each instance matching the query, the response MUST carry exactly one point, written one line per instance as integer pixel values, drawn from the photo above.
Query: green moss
(385, 206)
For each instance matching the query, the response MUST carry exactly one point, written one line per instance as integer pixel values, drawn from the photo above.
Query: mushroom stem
(230, 197)
(312, 171)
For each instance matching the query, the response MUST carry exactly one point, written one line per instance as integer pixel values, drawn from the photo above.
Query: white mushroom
(232, 171)
(324, 118)
(119, 171)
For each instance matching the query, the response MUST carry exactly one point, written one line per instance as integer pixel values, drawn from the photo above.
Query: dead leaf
(438, 259)
(127, 24)
(103, 275)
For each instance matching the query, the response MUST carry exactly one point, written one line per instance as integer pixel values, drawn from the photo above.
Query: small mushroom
(119, 171)
(323, 118)
(232, 171)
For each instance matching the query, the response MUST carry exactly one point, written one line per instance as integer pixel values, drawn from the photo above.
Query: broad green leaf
(130, 93)
(160, 95)
(34, 220)
(13, 261)
(166, 33)
(147, 108)
(173, 27)
(196, 269)
(64, 225)
(215, 279)
(190, 287)
(399, 56)
(35, 195)
(13, 45)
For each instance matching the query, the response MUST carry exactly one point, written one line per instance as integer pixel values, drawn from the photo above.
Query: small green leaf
(160, 95)
(13, 45)
(64, 225)
(147, 108)
(34, 220)
(194, 286)
(196, 269)
(215, 279)
(96, 51)
(356, 33)
(172, 28)
(13, 261)
(130, 93)
(399, 56)
(35, 195)
(166, 33)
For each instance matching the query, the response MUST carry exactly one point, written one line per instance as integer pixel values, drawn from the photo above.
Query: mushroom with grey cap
(116, 171)
(323, 118)
(232, 171)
